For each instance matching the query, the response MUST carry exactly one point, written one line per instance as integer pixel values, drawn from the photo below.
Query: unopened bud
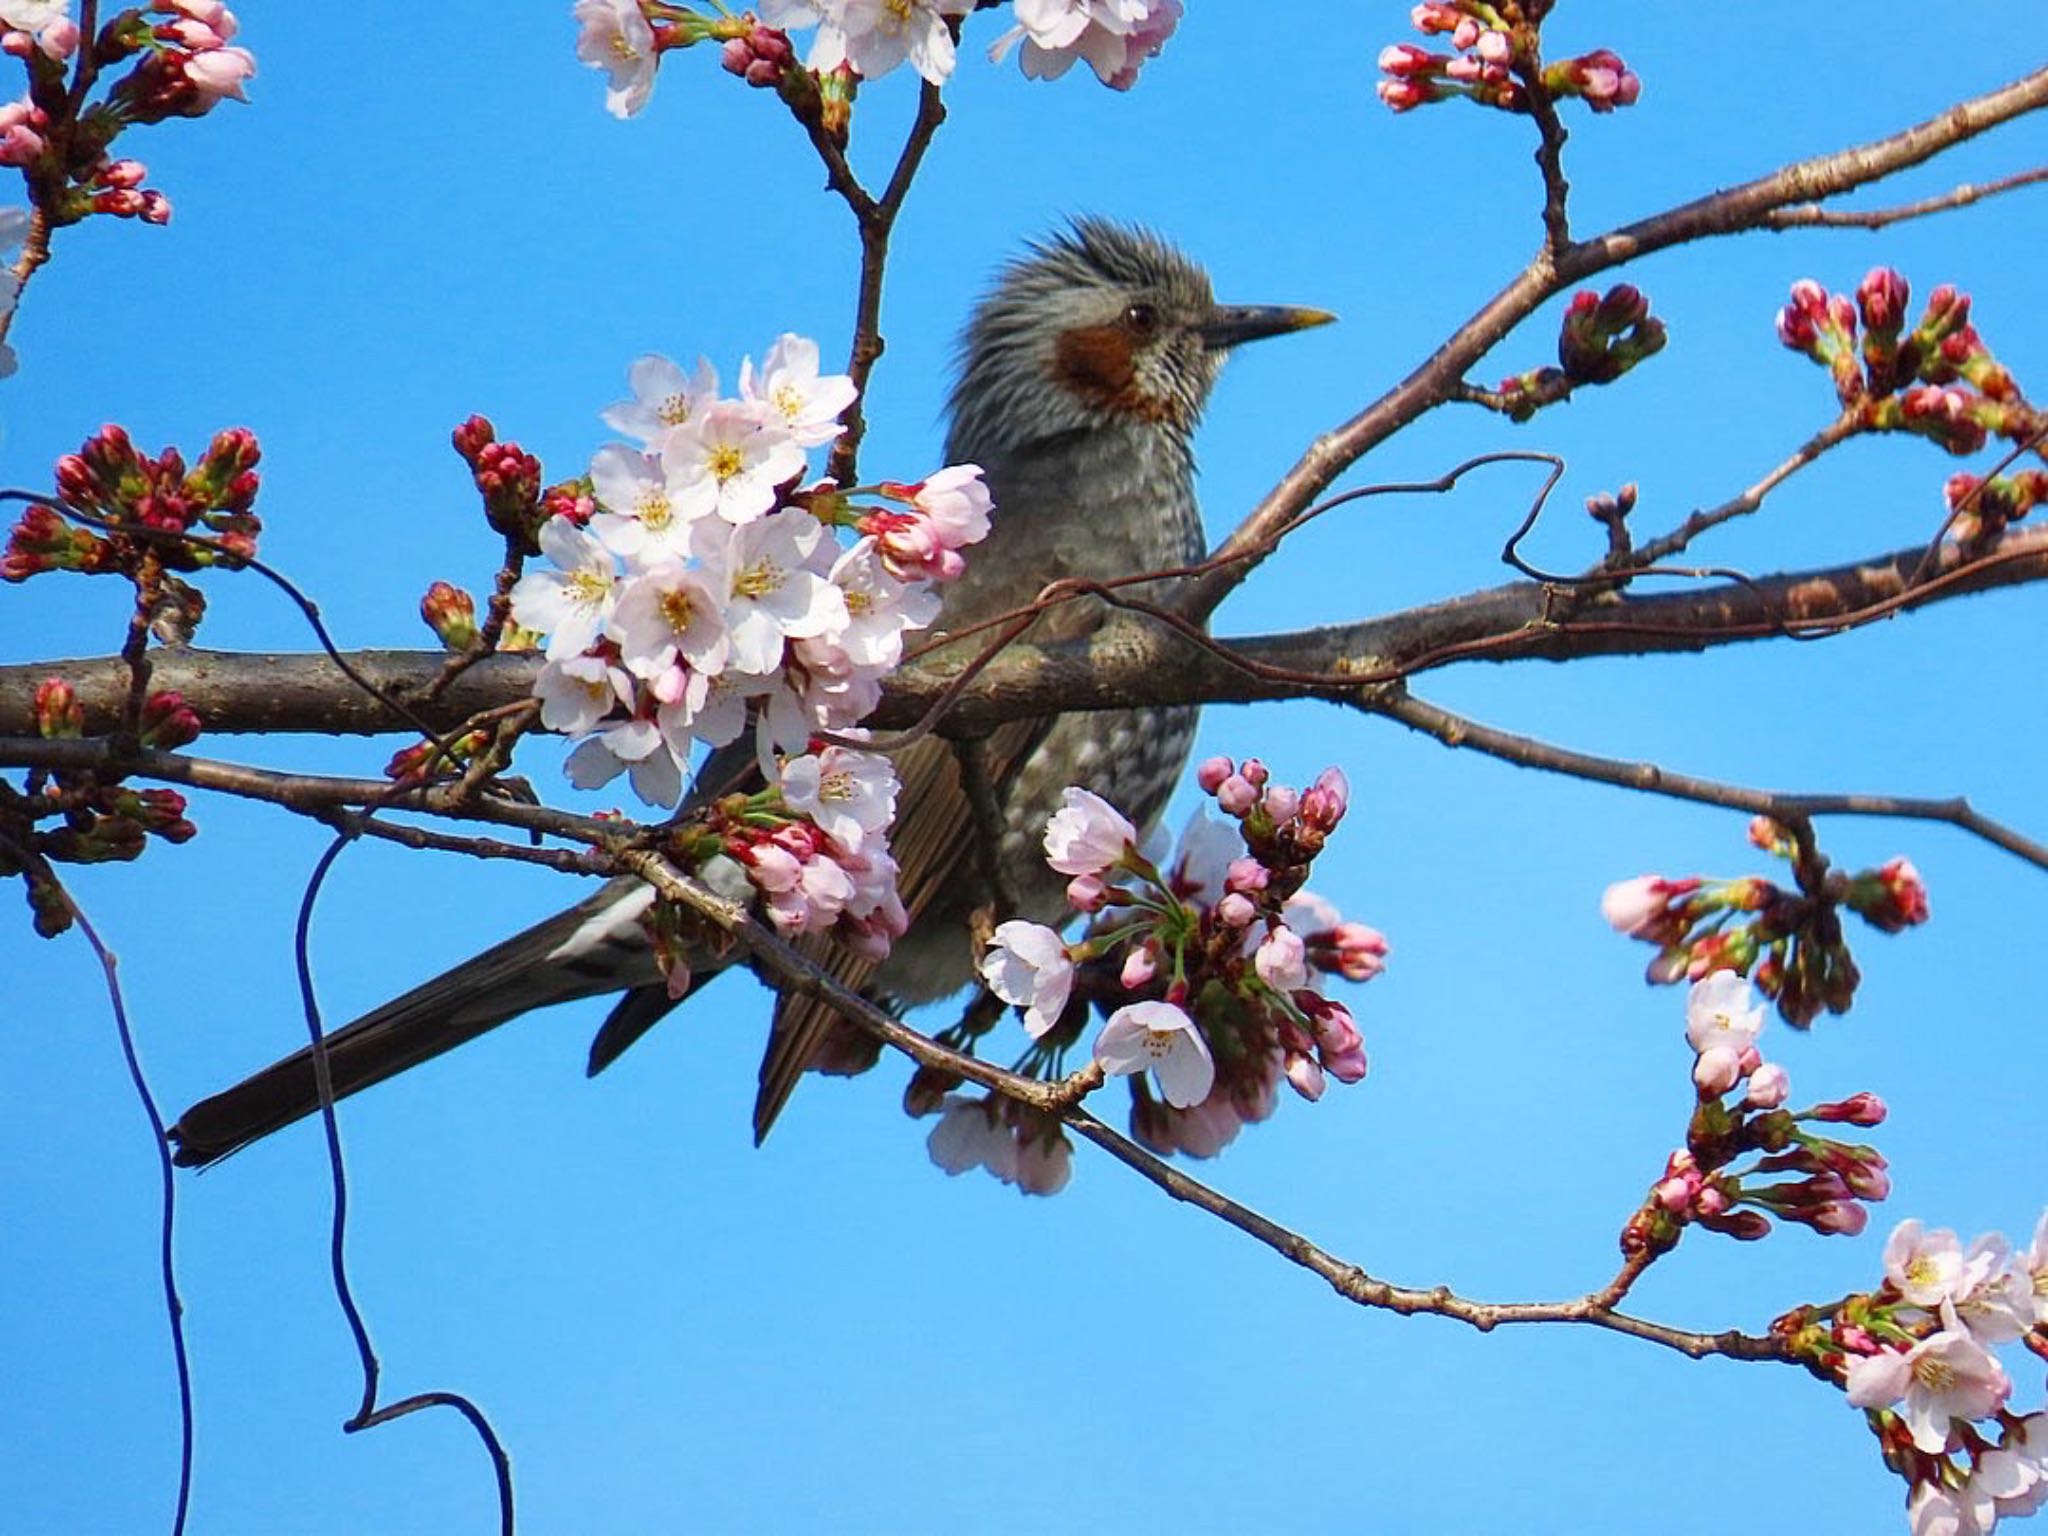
(58, 712)
(450, 613)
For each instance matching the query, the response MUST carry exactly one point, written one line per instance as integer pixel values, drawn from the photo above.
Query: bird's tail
(595, 946)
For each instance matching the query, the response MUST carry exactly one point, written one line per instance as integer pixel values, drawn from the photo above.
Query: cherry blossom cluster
(99, 819)
(1600, 339)
(810, 851)
(1937, 380)
(1482, 66)
(1918, 1355)
(694, 583)
(861, 40)
(183, 63)
(1209, 971)
(1789, 941)
(109, 479)
(1799, 1174)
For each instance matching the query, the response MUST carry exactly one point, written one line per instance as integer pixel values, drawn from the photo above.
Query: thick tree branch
(1120, 666)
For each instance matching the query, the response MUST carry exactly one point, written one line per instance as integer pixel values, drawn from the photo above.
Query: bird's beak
(1230, 324)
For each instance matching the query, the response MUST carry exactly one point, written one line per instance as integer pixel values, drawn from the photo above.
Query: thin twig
(1810, 215)
(1651, 778)
(1836, 432)
(877, 220)
(369, 1415)
(174, 1305)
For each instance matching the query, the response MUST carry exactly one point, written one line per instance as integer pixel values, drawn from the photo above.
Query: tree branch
(1651, 778)
(1121, 666)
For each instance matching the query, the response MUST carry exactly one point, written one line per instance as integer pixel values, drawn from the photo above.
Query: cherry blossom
(847, 794)
(573, 602)
(664, 398)
(774, 594)
(616, 38)
(729, 459)
(667, 618)
(1722, 1020)
(874, 36)
(2035, 1263)
(789, 384)
(1163, 1038)
(635, 747)
(1028, 965)
(577, 692)
(1946, 1376)
(879, 609)
(970, 1134)
(649, 505)
(1087, 834)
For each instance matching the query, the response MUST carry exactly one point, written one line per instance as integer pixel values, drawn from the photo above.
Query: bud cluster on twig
(1789, 941)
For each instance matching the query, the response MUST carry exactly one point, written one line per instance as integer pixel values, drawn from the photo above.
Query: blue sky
(675, 1331)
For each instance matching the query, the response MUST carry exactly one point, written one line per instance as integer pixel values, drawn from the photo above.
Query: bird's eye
(1141, 319)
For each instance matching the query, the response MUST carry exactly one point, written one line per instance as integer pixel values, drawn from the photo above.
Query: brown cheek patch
(1095, 363)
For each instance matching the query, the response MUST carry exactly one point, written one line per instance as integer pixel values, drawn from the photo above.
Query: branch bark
(1121, 666)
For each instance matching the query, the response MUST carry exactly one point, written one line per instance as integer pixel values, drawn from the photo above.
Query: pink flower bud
(1305, 1077)
(1213, 772)
(1236, 795)
(1256, 772)
(59, 39)
(1140, 966)
(1837, 1218)
(1327, 800)
(1236, 911)
(1865, 1109)
(1087, 893)
(1247, 874)
(1281, 802)
(1346, 1066)
(1768, 1086)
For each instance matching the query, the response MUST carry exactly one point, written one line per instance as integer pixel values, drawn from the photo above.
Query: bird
(1082, 375)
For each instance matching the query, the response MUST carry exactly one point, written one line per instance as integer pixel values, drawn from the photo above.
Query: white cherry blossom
(729, 458)
(573, 602)
(664, 398)
(789, 384)
(616, 38)
(1163, 1038)
(874, 36)
(848, 794)
(1027, 965)
(650, 506)
(577, 692)
(1947, 1375)
(1087, 834)
(971, 1134)
(1723, 1018)
(774, 593)
(668, 619)
(635, 747)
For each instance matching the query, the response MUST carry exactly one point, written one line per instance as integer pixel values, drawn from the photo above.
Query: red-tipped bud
(168, 722)
(450, 613)
(58, 712)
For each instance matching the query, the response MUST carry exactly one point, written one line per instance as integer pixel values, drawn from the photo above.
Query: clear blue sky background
(428, 215)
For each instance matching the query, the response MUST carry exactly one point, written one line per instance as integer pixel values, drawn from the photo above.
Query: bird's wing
(933, 844)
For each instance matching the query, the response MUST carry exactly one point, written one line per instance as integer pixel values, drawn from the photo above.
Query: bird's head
(1101, 324)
